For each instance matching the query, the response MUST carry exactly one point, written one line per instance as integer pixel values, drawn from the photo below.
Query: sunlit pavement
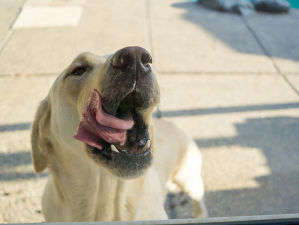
(230, 82)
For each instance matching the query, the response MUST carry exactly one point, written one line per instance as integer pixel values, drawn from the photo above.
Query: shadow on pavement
(187, 112)
(14, 127)
(278, 139)
(232, 109)
(9, 163)
(231, 30)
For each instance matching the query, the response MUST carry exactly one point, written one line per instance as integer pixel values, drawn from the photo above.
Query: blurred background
(229, 81)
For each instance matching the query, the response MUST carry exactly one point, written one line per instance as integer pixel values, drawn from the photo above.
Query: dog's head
(102, 107)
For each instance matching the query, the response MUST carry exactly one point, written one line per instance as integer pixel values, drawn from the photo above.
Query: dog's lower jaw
(122, 165)
(125, 163)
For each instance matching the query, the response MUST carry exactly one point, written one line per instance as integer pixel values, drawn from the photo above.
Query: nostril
(132, 58)
(121, 61)
(146, 58)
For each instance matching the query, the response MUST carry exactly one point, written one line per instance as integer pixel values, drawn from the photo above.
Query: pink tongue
(98, 125)
(107, 120)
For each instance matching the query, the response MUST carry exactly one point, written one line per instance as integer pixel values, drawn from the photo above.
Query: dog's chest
(130, 199)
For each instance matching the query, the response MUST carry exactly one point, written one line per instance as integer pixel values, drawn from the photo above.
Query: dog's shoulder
(167, 131)
(169, 147)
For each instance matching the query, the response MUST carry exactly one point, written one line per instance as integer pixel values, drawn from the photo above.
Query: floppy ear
(40, 143)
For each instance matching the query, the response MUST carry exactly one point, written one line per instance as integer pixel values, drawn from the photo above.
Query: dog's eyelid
(78, 70)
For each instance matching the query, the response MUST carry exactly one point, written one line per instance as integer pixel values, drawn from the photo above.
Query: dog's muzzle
(129, 71)
(113, 124)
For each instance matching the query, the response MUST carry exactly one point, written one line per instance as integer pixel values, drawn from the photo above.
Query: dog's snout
(132, 58)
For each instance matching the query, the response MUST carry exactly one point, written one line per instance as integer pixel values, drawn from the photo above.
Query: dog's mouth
(123, 135)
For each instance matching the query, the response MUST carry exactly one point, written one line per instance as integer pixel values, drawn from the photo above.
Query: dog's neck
(100, 195)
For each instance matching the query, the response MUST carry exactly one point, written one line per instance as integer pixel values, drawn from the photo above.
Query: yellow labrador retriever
(107, 158)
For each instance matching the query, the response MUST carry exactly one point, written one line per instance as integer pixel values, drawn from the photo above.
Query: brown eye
(79, 71)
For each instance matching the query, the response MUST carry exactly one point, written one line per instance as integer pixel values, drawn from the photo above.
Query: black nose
(132, 59)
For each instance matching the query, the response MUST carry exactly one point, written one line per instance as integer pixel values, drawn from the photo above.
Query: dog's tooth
(147, 145)
(114, 149)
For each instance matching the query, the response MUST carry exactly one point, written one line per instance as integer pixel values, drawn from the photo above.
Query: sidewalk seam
(178, 73)
(150, 40)
(163, 73)
(261, 45)
(16, 75)
(290, 83)
(259, 42)
(149, 26)
(6, 39)
(10, 31)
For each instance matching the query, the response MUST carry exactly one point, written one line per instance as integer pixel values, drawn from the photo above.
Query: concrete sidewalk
(231, 83)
